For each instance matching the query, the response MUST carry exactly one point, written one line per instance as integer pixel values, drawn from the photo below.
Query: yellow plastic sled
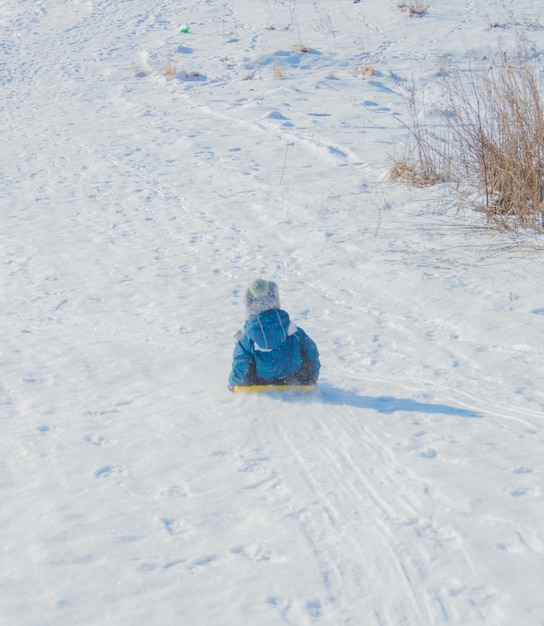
(268, 388)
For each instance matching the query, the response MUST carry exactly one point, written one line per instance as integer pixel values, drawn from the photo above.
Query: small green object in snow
(185, 29)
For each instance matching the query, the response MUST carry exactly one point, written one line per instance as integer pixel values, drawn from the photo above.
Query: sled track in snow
(333, 464)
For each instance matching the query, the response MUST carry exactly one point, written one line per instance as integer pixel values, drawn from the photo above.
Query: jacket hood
(269, 329)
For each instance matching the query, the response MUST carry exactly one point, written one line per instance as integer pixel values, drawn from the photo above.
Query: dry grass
(277, 72)
(421, 165)
(414, 8)
(491, 144)
(417, 174)
(366, 70)
(250, 76)
(300, 47)
(170, 70)
(497, 131)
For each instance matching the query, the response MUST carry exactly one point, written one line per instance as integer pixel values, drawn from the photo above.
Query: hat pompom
(262, 295)
(259, 287)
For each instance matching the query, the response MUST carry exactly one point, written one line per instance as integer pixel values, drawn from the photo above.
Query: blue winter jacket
(272, 349)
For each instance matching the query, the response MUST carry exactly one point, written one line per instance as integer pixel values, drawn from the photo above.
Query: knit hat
(261, 295)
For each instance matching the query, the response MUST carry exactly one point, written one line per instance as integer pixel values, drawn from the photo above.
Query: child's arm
(310, 352)
(243, 362)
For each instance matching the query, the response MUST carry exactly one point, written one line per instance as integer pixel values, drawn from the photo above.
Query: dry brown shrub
(496, 124)
(170, 70)
(423, 163)
(491, 143)
(414, 8)
(415, 174)
(367, 70)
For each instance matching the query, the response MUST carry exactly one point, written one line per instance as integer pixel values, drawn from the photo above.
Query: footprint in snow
(255, 552)
(108, 470)
(252, 464)
(175, 491)
(202, 561)
(96, 440)
(314, 608)
(175, 526)
(429, 453)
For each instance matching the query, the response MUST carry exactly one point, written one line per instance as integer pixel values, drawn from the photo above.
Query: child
(271, 350)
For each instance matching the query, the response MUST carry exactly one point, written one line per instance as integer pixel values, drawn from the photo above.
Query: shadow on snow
(387, 404)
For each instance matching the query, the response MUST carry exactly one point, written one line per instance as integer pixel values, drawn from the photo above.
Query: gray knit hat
(261, 295)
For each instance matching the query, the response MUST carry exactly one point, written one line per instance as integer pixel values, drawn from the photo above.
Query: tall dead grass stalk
(420, 164)
(496, 123)
(492, 140)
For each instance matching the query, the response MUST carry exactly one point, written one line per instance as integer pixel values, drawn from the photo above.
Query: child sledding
(271, 351)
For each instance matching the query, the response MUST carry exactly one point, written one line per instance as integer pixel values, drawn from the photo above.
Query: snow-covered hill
(147, 176)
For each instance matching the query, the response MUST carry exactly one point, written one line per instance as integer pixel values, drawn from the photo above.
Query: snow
(147, 176)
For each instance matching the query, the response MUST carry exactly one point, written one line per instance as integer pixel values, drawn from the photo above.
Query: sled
(273, 388)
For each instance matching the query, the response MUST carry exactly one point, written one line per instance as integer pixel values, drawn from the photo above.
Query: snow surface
(146, 176)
